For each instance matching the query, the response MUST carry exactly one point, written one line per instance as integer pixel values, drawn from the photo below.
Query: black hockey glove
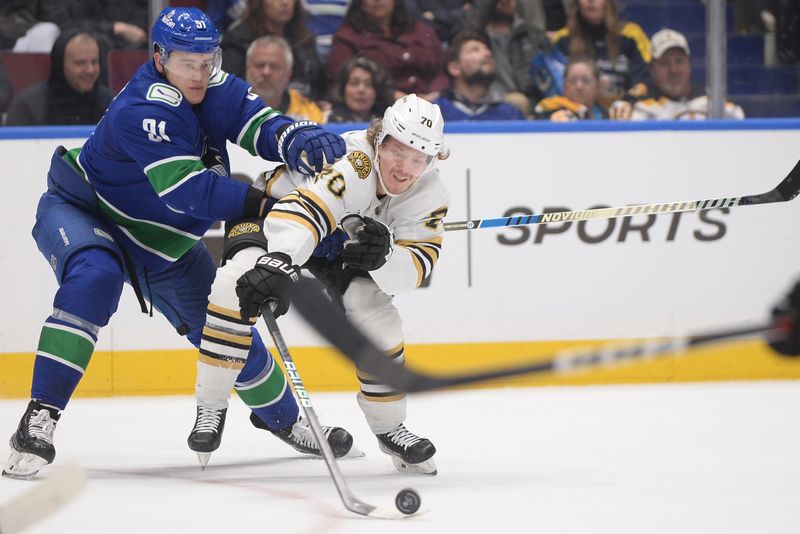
(270, 279)
(305, 147)
(786, 314)
(370, 244)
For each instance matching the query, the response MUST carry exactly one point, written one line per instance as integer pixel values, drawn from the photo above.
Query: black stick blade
(785, 191)
(790, 186)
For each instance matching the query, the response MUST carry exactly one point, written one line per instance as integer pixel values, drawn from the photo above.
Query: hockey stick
(783, 192)
(350, 501)
(330, 322)
(43, 500)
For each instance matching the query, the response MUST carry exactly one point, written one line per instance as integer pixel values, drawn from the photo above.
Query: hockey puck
(407, 501)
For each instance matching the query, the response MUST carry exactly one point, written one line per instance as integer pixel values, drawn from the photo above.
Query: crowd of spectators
(346, 60)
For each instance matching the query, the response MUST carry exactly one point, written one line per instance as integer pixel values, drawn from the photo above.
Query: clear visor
(192, 66)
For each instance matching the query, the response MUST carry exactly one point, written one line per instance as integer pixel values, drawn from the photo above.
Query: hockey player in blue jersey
(132, 205)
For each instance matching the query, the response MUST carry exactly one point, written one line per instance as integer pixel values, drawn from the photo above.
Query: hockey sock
(86, 299)
(383, 406)
(224, 346)
(262, 386)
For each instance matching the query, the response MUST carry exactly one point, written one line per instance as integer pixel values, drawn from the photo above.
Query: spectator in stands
(73, 93)
(514, 44)
(383, 31)
(442, 15)
(471, 67)
(281, 18)
(579, 101)
(22, 31)
(669, 96)
(268, 70)
(361, 92)
(122, 23)
(620, 49)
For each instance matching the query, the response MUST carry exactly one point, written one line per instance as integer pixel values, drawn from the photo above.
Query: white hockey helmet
(416, 123)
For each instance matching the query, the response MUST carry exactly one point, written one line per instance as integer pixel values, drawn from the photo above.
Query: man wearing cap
(669, 94)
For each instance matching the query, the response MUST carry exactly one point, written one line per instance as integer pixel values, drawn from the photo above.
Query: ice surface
(684, 458)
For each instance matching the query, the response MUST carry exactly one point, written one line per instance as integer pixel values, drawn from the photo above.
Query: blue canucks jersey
(159, 165)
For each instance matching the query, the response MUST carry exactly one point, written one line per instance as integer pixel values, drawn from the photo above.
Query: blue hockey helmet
(186, 29)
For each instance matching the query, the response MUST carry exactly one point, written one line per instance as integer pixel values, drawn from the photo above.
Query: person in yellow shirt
(268, 66)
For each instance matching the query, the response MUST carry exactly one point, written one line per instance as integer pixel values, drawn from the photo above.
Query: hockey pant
(233, 356)
(372, 310)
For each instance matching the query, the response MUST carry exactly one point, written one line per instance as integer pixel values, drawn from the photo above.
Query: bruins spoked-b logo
(244, 228)
(360, 163)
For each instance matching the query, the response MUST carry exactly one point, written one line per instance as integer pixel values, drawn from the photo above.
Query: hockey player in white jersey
(387, 195)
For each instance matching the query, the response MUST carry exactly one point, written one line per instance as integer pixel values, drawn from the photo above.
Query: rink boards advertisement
(500, 295)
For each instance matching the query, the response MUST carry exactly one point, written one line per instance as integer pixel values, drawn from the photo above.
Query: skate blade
(423, 468)
(354, 452)
(23, 465)
(203, 458)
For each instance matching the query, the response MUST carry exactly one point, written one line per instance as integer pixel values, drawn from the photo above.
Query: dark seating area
(25, 69)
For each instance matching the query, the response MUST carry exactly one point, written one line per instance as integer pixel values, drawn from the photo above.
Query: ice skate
(410, 453)
(206, 435)
(301, 438)
(32, 444)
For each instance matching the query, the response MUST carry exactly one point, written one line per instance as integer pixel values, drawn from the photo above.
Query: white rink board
(557, 289)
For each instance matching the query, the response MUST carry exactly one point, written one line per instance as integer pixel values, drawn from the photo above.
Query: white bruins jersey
(310, 208)
(664, 108)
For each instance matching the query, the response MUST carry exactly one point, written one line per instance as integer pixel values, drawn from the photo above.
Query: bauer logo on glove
(279, 264)
(268, 280)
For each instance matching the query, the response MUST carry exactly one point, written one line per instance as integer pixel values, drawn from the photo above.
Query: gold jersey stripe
(396, 350)
(430, 241)
(297, 219)
(233, 338)
(430, 254)
(321, 206)
(227, 312)
(389, 398)
(418, 265)
(294, 203)
(215, 362)
(276, 174)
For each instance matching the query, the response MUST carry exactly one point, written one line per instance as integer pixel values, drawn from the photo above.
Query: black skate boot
(206, 435)
(32, 443)
(301, 438)
(409, 452)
